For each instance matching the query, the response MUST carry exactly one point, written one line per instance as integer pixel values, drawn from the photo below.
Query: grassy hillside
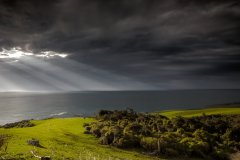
(62, 139)
(199, 112)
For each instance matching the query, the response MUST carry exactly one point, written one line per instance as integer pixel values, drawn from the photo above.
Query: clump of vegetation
(3, 143)
(208, 137)
(34, 142)
(20, 124)
(2, 140)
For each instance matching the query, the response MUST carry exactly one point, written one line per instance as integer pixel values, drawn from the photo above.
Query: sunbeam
(50, 71)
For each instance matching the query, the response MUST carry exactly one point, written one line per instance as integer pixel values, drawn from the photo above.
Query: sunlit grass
(199, 112)
(63, 139)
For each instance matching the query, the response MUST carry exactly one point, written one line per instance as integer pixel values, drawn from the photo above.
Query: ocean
(19, 106)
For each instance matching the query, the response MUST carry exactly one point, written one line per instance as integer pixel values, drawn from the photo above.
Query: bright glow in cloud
(13, 53)
(49, 54)
(17, 53)
(29, 72)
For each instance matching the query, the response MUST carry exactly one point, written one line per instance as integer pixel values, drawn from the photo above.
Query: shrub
(150, 143)
(132, 128)
(127, 142)
(86, 124)
(20, 124)
(88, 128)
(172, 152)
(208, 137)
(95, 130)
(104, 112)
(220, 154)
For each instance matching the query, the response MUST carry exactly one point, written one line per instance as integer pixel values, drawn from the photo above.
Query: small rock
(34, 142)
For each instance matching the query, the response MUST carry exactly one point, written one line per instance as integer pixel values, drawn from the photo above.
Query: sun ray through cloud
(44, 70)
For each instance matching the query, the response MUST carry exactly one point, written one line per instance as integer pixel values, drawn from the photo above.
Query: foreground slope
(64, 139)
(61, 139)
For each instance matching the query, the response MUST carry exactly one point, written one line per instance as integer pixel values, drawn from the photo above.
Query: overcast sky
(71, 45)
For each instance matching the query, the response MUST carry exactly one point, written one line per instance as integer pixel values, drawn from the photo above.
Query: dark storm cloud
(168, 43)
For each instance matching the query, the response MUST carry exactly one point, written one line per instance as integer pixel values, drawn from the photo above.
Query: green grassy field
(63, 138)
(199, 112)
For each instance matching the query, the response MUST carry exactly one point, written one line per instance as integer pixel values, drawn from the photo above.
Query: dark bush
(86, 124)
(104, 112)
(88, 128)
(150, 143)
(127, 142)
(208, 137)
(87, 132)
(20, 124)
(95, 130)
